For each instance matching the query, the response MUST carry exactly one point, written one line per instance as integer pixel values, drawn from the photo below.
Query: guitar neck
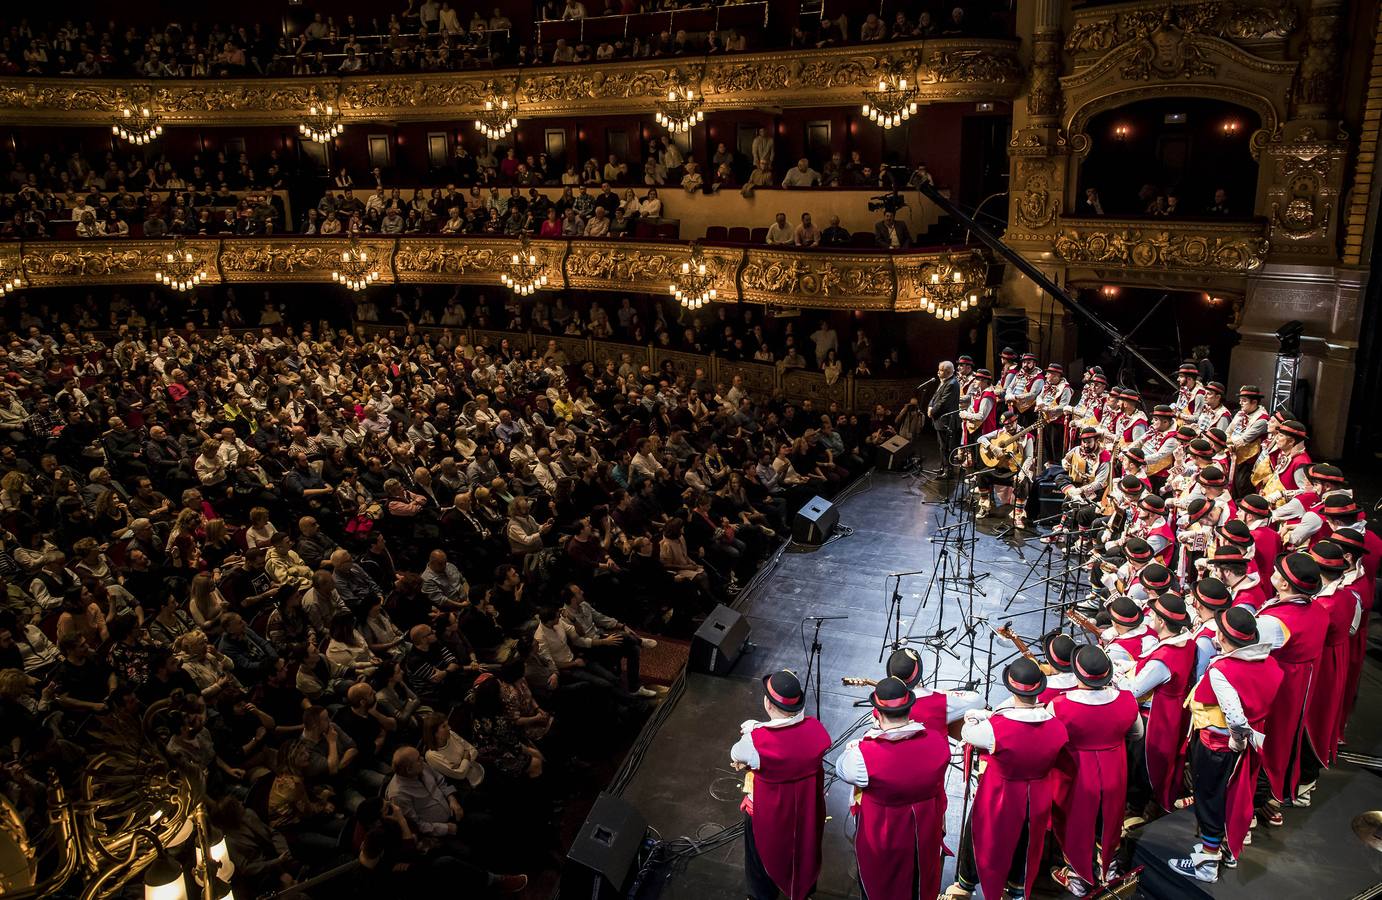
(858, 682)
(1083, 622)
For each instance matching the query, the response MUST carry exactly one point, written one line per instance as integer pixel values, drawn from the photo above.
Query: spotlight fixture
(137, 125)
(356, 271)
(953, 286)
(321, 124)
(526, 275)
(681, 110)
(499, 117)
(692, 283)
(894, 102)
(180, 269)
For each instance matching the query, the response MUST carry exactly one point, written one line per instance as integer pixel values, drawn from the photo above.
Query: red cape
(789, 804)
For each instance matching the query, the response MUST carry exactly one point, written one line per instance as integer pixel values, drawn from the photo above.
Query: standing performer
(1162, 682)
(1354, 545)
(1089, 799)
(1323, 722)
(964, 371)
(1023, 389)
(1012, 807)
(943, 411)
(1228, 710)
(1256, 513)
(898, 771)
(1247, 431)
(936, 709)
(1213, 414)
(1059, 649)
(1294, 627)
(1053, 405)
(980, 414)
(785, 788)
(1190, 396)
(1208, 599)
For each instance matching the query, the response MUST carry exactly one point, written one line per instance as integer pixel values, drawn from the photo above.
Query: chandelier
(681, 109)
(691, 284)
(525, 274)
(180, 270)
(137, 126)
(893, 103)
(11, 280)
(321, 124)
(498, 118)
(953, 286)
(356, 271)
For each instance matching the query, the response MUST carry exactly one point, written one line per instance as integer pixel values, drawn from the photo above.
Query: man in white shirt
(802, 175)
(780, 233)
(557, 635)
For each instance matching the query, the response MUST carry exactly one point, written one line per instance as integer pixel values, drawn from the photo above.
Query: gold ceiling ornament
(682, 109)
(321, 124)
(895, 100)
(356, 270)
(137, 125)
(1187, 246)
(693, 282)
(526, 275)
(180, 269)
(499, 116)
(952, 285)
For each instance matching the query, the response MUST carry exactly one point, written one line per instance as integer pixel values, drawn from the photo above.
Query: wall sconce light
(1121, 132)
(1230, 128)
(1110, 291)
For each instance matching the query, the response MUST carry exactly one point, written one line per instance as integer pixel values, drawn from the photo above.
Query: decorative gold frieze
(248, 259)
(809, 279)
(51, 263)
(1184, 246)
(612, 265)
(1101, 28)
(947, 69)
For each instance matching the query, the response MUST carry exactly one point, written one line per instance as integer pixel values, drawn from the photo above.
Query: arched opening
(1180, 150)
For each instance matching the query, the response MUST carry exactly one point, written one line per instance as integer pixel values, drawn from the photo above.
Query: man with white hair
(944, 411)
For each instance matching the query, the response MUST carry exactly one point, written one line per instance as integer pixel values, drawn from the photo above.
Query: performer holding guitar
(1009, 454)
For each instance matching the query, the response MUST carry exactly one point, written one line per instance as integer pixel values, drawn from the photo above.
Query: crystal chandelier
(356, 271)
(180, 270)
(525, 275)
(11, 280)
(498, 118)
(691, 284)
(681, 109)
(138, 125)
(952, 286)
(893, 103)
(321, 124)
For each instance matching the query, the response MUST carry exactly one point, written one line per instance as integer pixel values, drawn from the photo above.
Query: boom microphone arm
(996, 244)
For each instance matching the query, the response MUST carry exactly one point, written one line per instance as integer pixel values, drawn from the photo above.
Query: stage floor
(685, 786)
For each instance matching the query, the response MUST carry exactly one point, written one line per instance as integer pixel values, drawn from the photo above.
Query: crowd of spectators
(206, 194)
(432, 36)
(1161, 203)
(386, 595)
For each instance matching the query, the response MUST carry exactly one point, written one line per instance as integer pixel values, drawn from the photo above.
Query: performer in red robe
(1059, 649)
(937, 710)
(1354, 544)
(1294, 627)
(1228, 710)
(1323, 723)
(1012, 807)
(785, 793)
(1256, 513)
(898, 771)
(1161, 684)
(1092, 785)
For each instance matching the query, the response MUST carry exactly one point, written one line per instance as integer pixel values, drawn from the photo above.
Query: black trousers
(947, 436)
(1310, 764)
(967, 865)
(1212, 771)
(625, 651)
(760, 886)
(1021, 486)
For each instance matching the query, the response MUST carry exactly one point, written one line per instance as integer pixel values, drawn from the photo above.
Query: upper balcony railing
(958, 69)
(779, 276)
(1201, 246)
(1261, 25)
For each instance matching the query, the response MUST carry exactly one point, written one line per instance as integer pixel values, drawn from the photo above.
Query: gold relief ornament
(271, 258)
(132, 261)
(1169, 52)
(1161, 249)
(416, 259)
(1247, 21)
(961, 66)
(864, 281)
(1037, 207)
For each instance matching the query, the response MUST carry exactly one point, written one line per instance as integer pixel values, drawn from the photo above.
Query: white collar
(1060, 680)
(752, 724)
(1176, 640)
(1098, 697)
(1024, 714)
(895, 734)
(1250, 580)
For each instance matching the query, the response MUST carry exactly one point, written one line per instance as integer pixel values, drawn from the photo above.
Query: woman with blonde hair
(261, 531)
(205, 603)
(183, 547)
(211, 670)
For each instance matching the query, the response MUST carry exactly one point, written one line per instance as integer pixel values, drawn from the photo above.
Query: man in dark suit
(943, 410)
(892, 234)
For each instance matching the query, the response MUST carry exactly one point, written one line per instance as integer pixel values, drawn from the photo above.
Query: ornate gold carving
(1167, 53)
(1096, 31)
(1037, 206)
(54, 263)
(479, 261)
(775, 276)
(1189, 246)
(955, 68)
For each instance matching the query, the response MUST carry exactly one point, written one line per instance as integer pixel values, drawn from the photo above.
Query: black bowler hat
(1131, 485)
(1155, 576)
(1138, 550)
(892, 697)
(1060, 651)
(1171, 607)
(1211, 593)
(1125, 611)
(1300, 571)
(1351, 540)
(784, 691)
(1339, 505)
(1238, 626)
(1236, 532)
(1024, 678)
(1329, 556)
(1256, 504)
(1092, 666)
(905, 665)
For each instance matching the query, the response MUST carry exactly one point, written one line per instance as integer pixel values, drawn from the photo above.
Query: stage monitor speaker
(895, 453)
(814, 521)
(1008, 331)
(718, 643)
(601, 862)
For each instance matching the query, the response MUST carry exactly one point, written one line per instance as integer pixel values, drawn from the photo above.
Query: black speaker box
(1008, 331)
(601, 862)
(895, 453)
(718, 643)
(814, 521)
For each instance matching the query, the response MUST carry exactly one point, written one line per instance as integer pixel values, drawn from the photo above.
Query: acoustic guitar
(1083, 622)
(1005, 452)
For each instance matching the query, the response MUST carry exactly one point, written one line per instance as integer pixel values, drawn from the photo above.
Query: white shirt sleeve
(957, 703)
(978, 733)
(1153, 675)
(850, 766)
(1271, 632)
(743, 750)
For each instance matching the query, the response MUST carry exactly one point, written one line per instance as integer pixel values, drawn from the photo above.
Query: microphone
(926, 384)
(824, 618)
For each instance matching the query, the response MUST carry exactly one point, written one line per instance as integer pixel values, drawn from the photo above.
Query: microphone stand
(813, 659)
(894, 613)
